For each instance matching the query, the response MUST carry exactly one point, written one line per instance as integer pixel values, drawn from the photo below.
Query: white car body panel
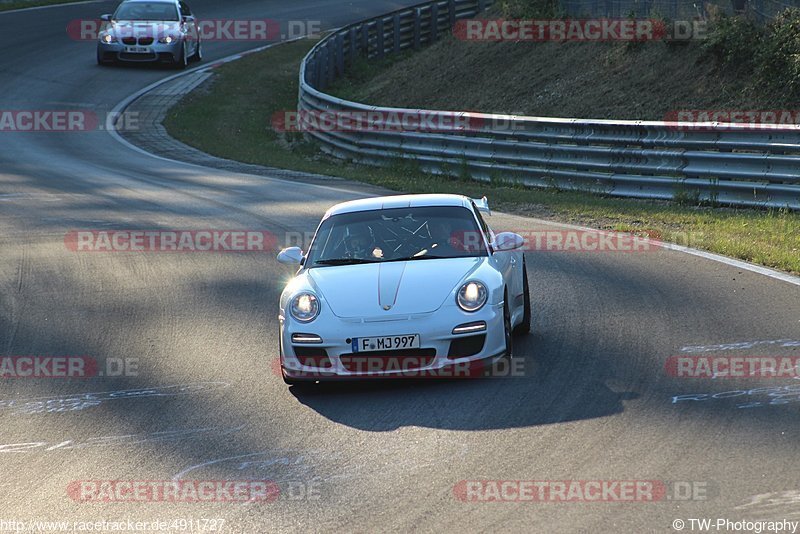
(400, 298)
(408, 287)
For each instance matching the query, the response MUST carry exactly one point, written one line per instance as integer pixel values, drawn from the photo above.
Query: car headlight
(107, 38)
(472, 296)
(304, 307)
(167, 39)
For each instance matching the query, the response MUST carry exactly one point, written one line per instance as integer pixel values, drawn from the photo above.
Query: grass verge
(230, 117)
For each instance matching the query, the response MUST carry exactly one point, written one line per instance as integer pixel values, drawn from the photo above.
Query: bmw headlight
(107, 38)
(304, 307)
(167, 39)
(472, 296)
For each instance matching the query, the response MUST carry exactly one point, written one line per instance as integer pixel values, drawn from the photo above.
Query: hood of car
(392, 288)
(144, 28)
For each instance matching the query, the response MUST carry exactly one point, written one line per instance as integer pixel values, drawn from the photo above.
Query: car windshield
(397, 234)
(147, 11)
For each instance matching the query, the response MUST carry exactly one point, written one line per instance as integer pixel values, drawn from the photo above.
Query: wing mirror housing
(291, 256)
(507, 241)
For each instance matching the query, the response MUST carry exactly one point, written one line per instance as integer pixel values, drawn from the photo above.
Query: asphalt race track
(595, 402)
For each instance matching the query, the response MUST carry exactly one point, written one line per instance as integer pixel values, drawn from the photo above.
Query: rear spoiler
(482, 204)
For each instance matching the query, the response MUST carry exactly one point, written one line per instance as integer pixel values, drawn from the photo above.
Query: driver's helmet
(441, 230)
(359, 242)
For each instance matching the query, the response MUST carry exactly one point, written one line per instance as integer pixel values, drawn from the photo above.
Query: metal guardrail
(721, 163)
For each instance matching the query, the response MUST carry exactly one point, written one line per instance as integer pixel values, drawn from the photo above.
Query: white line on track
(739, 264)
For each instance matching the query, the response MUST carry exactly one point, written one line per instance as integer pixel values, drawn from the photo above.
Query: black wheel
(101, 62)
(182, 61)
(198, 54)
(508, 332)
(525, 326)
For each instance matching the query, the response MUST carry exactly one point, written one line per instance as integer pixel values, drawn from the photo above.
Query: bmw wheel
(198, 54)
(182, 61)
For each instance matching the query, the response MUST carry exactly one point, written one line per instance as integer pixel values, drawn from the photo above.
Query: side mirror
(187, 18)
(291, 256)
(507, 241)
(106, 18)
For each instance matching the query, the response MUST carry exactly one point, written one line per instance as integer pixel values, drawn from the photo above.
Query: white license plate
(137, 49)
(370, 344)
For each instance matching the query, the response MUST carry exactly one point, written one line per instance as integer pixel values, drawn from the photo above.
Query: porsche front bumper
(324, 349)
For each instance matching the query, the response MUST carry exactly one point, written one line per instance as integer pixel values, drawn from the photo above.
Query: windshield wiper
(344, 261)
(355, 261)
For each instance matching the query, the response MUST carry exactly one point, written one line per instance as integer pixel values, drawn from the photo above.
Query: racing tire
(183, 62)
(525, 326)
(198, 55)
(508, 332)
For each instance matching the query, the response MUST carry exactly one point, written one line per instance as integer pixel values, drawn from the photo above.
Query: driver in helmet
(445, 239)
(360, 244)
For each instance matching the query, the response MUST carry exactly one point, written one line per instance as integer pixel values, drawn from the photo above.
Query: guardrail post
(434, 21)
(353, 52)
(365, 39)
(322, 78)
(339, 54)
(451, 9)
(396, 33)
(481, 5)
(330, 55)
(417, 28)
(311, 71)
(379, 27)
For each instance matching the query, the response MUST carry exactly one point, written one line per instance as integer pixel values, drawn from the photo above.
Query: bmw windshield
(147, 11)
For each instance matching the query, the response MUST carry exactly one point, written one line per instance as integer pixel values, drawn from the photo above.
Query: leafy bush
(779, 53)
(731, 41)
(520, 9)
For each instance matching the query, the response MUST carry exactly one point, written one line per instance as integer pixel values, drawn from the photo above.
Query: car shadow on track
(549, 392)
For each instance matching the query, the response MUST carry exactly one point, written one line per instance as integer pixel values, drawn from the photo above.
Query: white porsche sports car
(410, 285)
